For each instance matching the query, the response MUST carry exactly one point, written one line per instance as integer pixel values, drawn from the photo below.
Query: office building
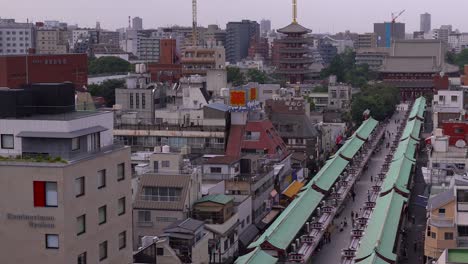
(425, 23)
(16, 38)
(388, 32)
(214, 36)
(265, 27)
(43, 69)
(199, 60)
(51, 41)
(137, 23)
(64, 182)
(366, 40)
(109, 38)
(239, 36)
(374, 57)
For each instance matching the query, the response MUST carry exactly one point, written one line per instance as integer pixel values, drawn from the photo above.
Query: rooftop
(216, 198)
(294, 28)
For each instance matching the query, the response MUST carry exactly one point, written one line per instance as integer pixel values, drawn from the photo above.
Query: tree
(380, 99)
(321, 89)
(235, 76)
(254, 75)
(106, 90)
(462, 59)
(108, 65)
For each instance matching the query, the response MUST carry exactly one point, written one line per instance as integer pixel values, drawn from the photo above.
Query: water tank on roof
(166, 149)
(225, 92)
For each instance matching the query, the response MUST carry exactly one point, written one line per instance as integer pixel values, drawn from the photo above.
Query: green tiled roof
(328, 175)
(257, 256)
(373, 259)
(457, 255)
(398, 175)
(418, 108)
(413, 129)
(381, 232)
(285, 228)
(367, 127)
(215, 198)
(350, 148)
(406, 148)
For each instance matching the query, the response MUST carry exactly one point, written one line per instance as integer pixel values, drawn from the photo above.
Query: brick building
(15, 72)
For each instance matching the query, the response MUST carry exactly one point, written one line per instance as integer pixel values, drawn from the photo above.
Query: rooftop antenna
(294, 11)
(194, 23)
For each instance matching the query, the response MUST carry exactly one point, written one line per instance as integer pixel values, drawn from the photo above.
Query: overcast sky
(319, 15)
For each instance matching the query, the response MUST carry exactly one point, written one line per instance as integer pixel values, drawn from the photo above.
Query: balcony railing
(219, 176)
(166, 124)
(441, 221)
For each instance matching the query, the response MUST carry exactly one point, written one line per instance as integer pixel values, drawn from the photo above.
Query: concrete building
(238, 39)
(339, 95)
(388, 32)
(109, 38)
(51, 41)
(366, 40)
(214, 36)
(443, 33)
(265, 27)
(66, 191)
(165, 193)
(425, 20)
(458, 42)
(374, 57)
(447, 105)
(16, 38)
(137, 23)
(199, 60)
(148, 48)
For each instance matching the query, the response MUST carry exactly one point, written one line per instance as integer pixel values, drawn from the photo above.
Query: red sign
(253, 94)
(237, 98)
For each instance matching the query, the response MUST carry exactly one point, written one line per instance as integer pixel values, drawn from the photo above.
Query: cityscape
(233, 143)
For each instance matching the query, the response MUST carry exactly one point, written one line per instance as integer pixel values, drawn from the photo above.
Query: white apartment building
(15, 38)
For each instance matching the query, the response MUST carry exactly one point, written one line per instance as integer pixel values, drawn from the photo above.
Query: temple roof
(294, 28)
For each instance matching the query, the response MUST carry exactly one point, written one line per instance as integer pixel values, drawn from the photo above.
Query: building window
(454, 98)
(448, 236)
(131, 101)
(144, 216)
(162, 194)
(433, 235)
(462, 200)
(79, 186)
(459, 130)
(442, 211)
(120, 171)
(52, 241)
(81, 258)
(81, 225)
(143, 101)
(94, 141)
(75, 144)
(160, 251)
(45, 194)
(137, 100)
(8, 141)
(248, 219)
(462, 230)
(121, 206)
(226, 244)
(102, 211)
(103, 251)
(165, 164)
(101, 179)
(122, 240)
(215, 170)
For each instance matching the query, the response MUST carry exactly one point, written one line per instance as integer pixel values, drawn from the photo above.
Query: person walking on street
(353, 195)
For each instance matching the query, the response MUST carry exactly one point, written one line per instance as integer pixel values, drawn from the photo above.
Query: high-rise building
(388, 32)
(238, 39)
(65, 185)
(15, 38)
(51, 41)
(425, 23)
(265, 26)
(137, 23)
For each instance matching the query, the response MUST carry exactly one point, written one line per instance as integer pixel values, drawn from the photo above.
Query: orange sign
(237, 98)
(253, 94)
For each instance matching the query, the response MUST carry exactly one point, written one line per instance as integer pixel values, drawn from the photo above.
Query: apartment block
(15, 38)
(64, 184)
(51, 41)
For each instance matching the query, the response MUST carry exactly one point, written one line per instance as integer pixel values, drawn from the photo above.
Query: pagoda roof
(294, 28)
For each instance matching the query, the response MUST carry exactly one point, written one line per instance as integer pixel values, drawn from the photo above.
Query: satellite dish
(460, 143)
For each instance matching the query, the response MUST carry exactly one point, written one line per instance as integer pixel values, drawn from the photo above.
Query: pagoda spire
(294, 11)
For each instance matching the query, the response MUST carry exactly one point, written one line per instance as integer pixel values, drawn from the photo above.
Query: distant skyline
(320, 16)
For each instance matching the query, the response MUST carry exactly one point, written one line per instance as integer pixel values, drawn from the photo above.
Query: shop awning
(293, 189)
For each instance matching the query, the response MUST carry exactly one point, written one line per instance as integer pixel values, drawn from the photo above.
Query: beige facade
(24, 226)
(51, 41)
(441, 232)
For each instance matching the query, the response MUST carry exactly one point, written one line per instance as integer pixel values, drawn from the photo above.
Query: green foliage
(321, 89)
(460, 59)
(345, 68)
(235, 76)
(380, 99)
(106, 90)
(108, 65)
(254, 75)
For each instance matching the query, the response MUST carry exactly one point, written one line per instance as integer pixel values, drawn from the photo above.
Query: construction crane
(394, 17)
(194, 23)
